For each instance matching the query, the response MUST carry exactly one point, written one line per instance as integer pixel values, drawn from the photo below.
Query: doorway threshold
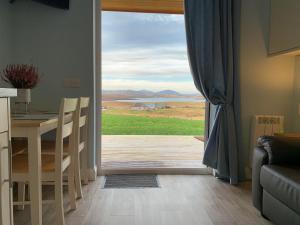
(162, 171)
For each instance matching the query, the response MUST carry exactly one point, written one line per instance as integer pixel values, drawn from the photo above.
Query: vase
(24, 96)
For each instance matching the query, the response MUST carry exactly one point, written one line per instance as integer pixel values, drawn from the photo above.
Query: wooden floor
(151, 151)
(181, 200)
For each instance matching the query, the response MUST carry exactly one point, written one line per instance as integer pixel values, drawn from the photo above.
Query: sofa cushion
(277, 212)
(283, 183)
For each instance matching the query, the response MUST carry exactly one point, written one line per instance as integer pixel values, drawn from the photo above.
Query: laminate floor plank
(181, 200)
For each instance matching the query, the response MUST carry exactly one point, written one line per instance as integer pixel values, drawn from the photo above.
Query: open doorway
(153, 118)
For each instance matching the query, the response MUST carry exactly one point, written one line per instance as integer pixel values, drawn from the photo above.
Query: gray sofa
(276, 179)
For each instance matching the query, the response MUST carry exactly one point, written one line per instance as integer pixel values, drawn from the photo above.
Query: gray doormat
(131, 181)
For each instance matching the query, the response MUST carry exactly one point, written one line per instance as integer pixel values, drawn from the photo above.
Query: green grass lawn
(137, 125)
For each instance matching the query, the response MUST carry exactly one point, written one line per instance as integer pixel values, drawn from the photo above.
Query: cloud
(121, 30)
(145, 51)
(162, 18)
(123, 84)
(146, 62)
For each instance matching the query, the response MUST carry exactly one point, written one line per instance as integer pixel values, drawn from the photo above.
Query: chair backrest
(65, 128)
(81, 121)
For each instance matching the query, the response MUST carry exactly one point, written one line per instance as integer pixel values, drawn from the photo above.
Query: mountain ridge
(109, 95)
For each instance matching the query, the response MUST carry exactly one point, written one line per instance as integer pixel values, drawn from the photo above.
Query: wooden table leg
(34, 151)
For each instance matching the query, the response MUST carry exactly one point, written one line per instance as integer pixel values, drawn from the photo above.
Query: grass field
(179, 110)
(113, 124)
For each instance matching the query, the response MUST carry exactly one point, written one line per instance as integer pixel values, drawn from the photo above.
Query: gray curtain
(212, 40)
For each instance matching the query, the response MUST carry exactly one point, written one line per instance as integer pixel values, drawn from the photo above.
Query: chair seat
(20, 163)
(283, 183)
(49, 146)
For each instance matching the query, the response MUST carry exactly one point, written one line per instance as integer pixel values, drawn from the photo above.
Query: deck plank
(151, 151)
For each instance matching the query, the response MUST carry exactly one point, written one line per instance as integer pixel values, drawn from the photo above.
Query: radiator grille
(264, 125)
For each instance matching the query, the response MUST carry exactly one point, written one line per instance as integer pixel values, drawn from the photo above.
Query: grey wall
(296, 99)
(284, 26)
(5, 34)
(266, 82)
(60, 43)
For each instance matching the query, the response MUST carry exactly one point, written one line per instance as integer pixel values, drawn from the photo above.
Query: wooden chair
(80, 146)
(81, 143)
(53, 166)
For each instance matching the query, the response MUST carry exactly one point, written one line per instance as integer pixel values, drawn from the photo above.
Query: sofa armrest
(281, 150)
(260, 158)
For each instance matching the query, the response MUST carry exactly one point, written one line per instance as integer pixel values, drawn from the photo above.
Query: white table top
(8, 92)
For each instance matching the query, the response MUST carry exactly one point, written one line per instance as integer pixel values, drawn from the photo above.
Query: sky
(142, 51)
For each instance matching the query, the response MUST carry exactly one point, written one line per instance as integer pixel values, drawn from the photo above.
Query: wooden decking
(151, 152)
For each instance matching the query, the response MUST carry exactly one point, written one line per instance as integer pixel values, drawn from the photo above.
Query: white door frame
(97, 82)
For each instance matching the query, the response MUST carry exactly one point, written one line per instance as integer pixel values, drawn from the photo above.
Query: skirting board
(92, 173)
(248, 173)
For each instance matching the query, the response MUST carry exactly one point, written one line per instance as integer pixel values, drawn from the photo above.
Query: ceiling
(145, 6)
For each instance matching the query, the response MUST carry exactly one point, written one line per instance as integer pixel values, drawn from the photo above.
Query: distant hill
(167, 92)
(108, 95)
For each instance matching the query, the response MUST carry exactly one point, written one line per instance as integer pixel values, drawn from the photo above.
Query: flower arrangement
(21, 76)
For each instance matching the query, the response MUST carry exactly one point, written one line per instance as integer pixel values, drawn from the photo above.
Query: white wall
(266, 82)
(5, 34)
(60, 43)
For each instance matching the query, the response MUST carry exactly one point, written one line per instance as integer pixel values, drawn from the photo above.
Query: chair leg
(84, 166)
(71, 187)
(59, 202)
(21, 194)
(78, 178)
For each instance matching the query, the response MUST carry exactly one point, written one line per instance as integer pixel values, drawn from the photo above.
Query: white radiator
(264, 125)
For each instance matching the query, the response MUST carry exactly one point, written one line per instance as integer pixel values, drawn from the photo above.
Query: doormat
(131, 181)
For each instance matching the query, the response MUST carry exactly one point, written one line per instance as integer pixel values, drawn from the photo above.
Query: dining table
(33, 127)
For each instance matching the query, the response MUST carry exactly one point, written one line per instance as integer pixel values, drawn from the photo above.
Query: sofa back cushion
(281, 150)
